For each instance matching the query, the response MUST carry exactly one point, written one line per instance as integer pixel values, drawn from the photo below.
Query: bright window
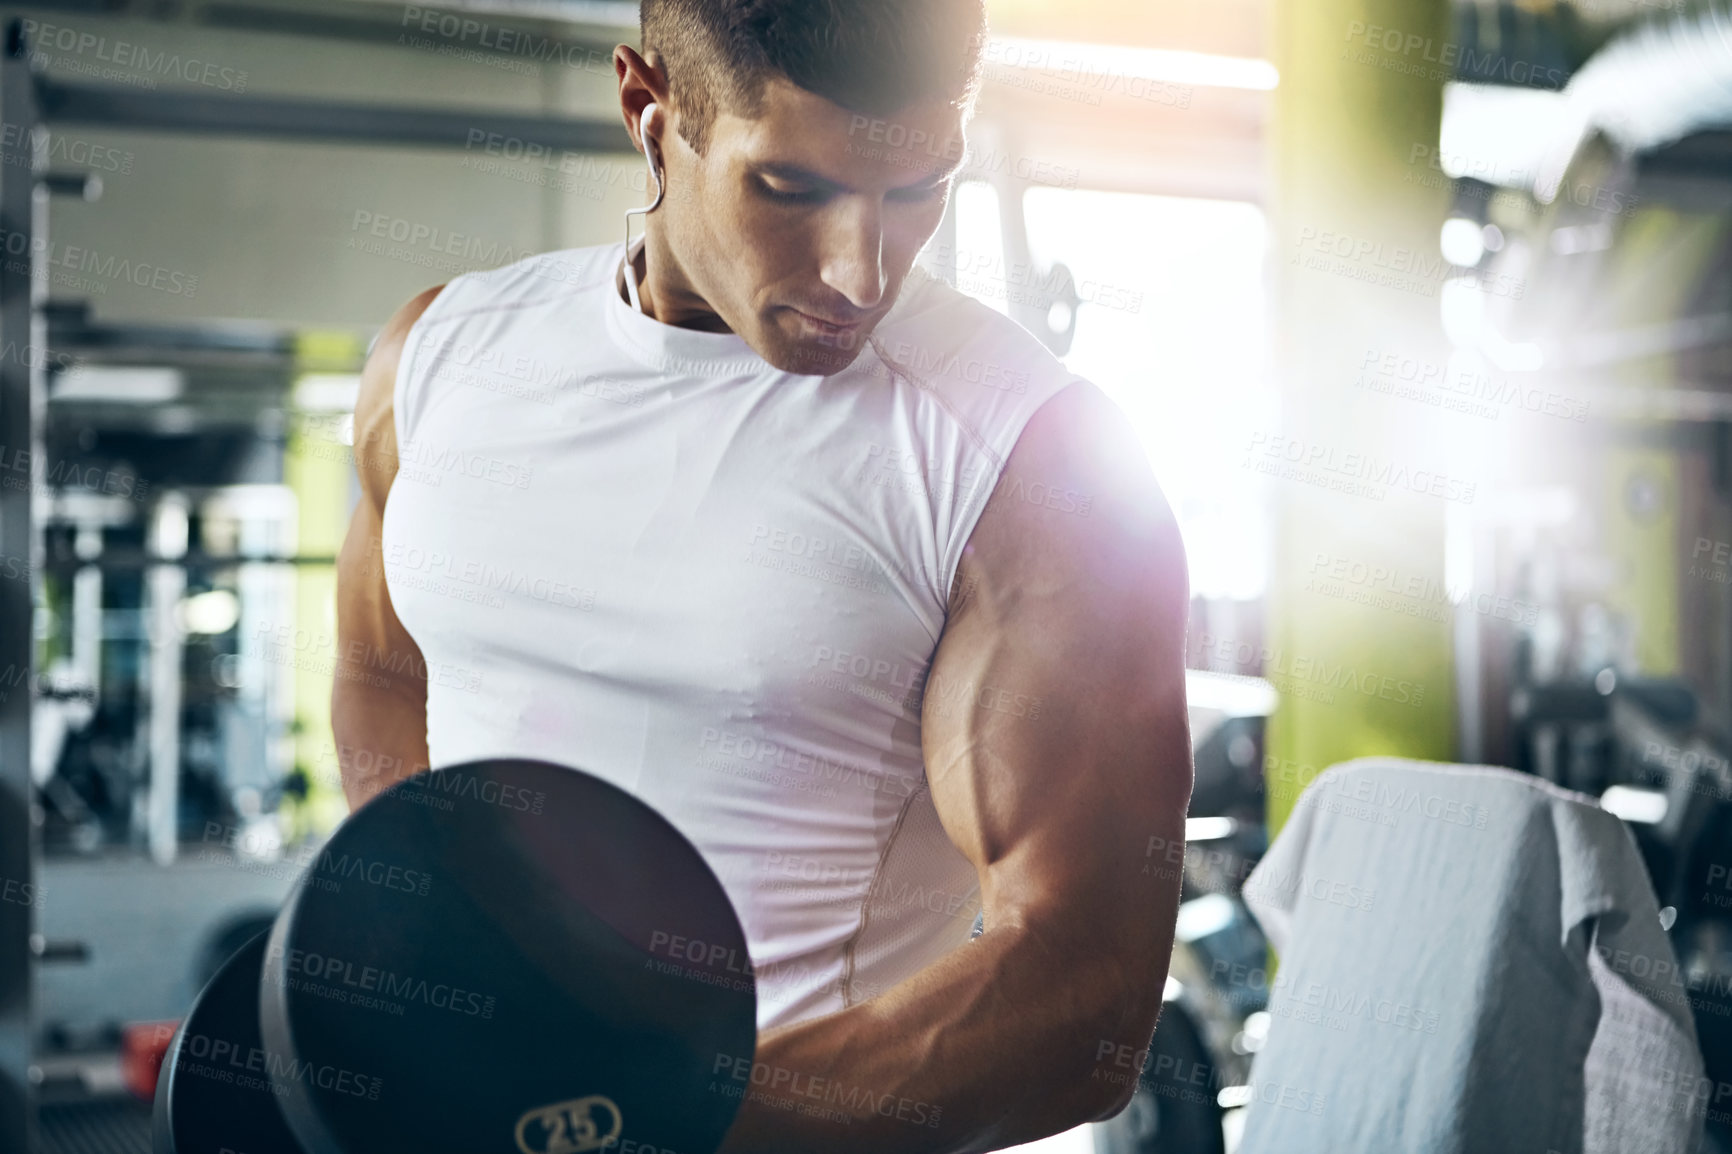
(1177, 336)
(980, 244)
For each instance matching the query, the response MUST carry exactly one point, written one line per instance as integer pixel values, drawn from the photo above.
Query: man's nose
(853, 255)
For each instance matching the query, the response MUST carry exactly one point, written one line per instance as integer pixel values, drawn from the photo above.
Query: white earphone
(645, 122)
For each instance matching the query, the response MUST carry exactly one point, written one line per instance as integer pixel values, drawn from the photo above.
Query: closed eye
(802, 196)
(815, 196)
(925, 192)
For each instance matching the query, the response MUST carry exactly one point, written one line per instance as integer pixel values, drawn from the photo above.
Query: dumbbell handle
(58, 950)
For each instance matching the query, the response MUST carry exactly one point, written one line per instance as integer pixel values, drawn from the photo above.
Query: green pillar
(1357, 271)
(320, 471)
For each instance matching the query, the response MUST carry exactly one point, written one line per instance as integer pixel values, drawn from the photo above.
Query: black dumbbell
(503, 956)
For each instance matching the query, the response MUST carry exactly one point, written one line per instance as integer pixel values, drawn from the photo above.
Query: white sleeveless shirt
(645, 552)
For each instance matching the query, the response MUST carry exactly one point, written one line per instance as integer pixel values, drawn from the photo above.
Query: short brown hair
(872, 57)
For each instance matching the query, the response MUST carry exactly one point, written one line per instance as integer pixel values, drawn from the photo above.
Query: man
(837, 568)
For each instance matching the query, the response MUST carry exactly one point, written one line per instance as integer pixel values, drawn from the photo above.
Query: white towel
(1471, 960)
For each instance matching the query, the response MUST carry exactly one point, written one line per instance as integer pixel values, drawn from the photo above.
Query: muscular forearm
(996, 1043)
(381, 734)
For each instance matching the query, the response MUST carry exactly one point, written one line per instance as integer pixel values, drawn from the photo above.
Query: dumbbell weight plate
(215, 1092)
(512, 957)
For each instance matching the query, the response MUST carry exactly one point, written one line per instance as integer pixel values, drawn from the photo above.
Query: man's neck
(700, 318)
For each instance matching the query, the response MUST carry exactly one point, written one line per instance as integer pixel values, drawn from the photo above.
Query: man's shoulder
(530, 280)
(980, 362)
(935, 331)
(1078, 495)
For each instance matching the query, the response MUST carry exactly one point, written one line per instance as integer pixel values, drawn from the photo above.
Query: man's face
(807, 214)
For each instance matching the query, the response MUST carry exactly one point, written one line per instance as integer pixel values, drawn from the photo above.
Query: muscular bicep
(375, 446)
(1054, 726)
(369, 633)
(379, 719)
(364, 613)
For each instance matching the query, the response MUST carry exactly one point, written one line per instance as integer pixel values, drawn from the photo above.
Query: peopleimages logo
(342, 980)
(1460, 390)
(1354, 473)
(804, 1090)
(431, 238)
(1454, 61)
(1411, 594)
(1308, 676)
(134, 58)
(255, 1068)
(461, 30)
(64, 260)
(17, 472)
(323, 868)
(23, 893)
(438, 460)
(1272, 885)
